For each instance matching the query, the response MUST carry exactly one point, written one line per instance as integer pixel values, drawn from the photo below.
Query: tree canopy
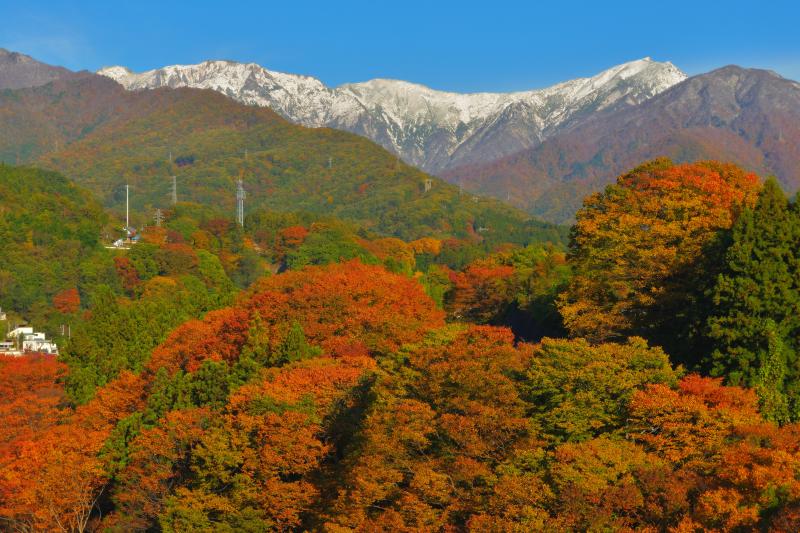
(644, 251)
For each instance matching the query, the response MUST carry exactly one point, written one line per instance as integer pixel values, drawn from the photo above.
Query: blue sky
(459, 46)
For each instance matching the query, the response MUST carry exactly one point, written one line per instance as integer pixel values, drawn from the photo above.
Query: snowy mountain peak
(429, 128)
(116, 73)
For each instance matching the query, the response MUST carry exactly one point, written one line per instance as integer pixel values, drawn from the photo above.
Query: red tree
(127, 274)
(67, 301)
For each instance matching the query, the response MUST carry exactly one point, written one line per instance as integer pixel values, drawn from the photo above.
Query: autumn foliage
(67, 301)
(127, 274)
(342, 308)
(51, 475)
(335, 398)
(342, 397)
(640, 249)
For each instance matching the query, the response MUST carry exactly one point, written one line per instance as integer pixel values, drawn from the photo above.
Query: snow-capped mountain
(433, 130)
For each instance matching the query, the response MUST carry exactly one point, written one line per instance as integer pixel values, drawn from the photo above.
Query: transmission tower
(158, 217)
(174, 190)
(240, 195)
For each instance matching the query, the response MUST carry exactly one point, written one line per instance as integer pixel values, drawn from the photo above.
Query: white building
(9, 348)
(24, 340)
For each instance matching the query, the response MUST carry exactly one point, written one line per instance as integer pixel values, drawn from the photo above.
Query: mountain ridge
(746, 116)
(431, 129)
(18, 71)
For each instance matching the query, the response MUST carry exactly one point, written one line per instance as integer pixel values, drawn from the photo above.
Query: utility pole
(174, 192)
(240, 195)
(127, 211)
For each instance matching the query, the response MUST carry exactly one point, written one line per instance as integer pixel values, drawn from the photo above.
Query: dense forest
(310, 373)
(56, 273)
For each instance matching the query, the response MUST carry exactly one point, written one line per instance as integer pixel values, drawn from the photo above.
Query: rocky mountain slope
(431, 129)
(747, 116)
(18, 71)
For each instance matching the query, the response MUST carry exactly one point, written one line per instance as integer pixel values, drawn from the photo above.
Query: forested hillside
(58, 272)
(50, 232)
(103, 137)
(379, 385)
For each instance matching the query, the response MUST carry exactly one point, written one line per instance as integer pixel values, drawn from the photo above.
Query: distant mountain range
(747, 116)
(540, 150)
(433, 130)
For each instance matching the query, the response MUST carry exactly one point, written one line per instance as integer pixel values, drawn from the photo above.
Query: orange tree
(646, 249)
(443, 416)
(51, 474)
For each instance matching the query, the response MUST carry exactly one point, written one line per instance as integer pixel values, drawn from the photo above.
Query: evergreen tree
(295, 347)
(760, 282)
(771, 377)
(210, 384)
(167, 393)
(243, 370)
(258, 347)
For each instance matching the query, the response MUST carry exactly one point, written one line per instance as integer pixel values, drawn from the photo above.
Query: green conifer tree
(258, 347)
(243, 370)
(210, 385)
(771, 377)
(760, 282)
(295, 347)
(167, 393)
